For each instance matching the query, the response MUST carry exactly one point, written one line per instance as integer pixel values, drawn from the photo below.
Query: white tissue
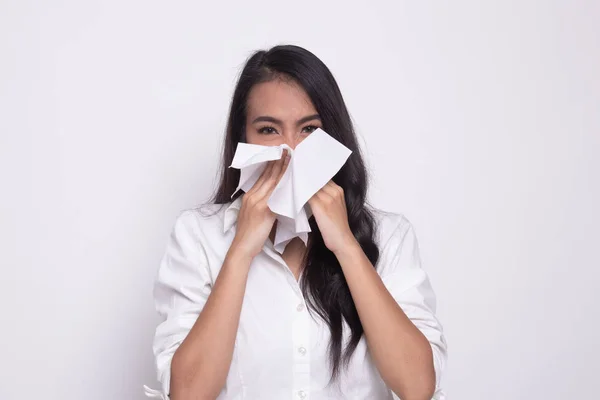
(312, 164)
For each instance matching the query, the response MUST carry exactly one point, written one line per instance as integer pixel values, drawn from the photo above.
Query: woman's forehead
(277, 98)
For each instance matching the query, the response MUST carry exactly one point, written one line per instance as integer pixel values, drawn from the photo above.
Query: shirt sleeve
(181, 289)
(409, 284)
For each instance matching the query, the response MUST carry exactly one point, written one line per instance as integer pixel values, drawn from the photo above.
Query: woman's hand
(329, 208)
(256, 219)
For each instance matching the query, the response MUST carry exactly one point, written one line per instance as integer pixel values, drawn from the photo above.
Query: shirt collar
(231, 214)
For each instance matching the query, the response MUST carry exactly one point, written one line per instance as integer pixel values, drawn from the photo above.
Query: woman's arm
(200, 365)
(400, 351)
(396, 309)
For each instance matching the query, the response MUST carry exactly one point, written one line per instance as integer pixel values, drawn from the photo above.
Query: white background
(480, 122)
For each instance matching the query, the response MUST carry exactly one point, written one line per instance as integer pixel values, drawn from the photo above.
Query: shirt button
(300, 307)
(302, 394)
(302, 350)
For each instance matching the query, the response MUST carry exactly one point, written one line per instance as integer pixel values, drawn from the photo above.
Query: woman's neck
(293, 253)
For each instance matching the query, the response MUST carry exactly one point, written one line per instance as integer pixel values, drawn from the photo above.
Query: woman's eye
(309, 129)
(267, 130)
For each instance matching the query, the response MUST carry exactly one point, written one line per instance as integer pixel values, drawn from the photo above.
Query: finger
(335, 186)
(263, 176)
(317, 200)
(275, 175)
(330, 189)
(313, 201)
(286, 163)
(325, 194)
(325, 197)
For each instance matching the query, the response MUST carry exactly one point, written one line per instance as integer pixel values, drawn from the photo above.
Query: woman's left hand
(329, 208)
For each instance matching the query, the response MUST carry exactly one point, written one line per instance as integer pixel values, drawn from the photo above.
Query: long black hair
(323, 283)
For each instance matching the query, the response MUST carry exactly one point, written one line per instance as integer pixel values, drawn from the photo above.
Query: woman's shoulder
(389, 224)
(201, 220)
(398, 245)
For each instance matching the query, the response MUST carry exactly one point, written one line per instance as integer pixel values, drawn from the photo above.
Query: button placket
(270, 251)
(301, 356)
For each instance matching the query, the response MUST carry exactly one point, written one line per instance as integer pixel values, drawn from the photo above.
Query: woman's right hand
(255, 219)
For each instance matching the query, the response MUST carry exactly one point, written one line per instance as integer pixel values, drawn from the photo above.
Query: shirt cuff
(155, 394)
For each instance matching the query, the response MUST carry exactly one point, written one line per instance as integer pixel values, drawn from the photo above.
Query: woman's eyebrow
(308, 118)
(266, 118)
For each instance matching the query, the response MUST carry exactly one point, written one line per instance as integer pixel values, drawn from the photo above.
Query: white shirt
(281, 349)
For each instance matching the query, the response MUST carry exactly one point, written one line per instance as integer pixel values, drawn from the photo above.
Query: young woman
(348, 316)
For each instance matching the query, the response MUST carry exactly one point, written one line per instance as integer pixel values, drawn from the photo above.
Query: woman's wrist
(238, 257)
(349, 248)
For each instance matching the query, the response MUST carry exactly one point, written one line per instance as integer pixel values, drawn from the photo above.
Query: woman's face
(279, 112)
